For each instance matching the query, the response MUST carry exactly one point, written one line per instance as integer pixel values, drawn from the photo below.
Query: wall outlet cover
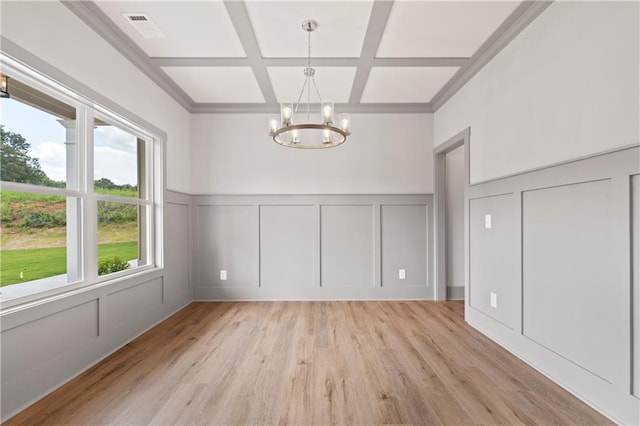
(402, 274)
(487, 221)
(223, 275)
(494, 300)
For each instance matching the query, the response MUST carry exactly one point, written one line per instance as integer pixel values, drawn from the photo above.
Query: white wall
(566, 87)
(53, 33)
(387, 154)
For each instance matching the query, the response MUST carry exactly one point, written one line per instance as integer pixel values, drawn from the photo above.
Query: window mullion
(35, 189)
(74, 204)
(124, 200)
(90, 210)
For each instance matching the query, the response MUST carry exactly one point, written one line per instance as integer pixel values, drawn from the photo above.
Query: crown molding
(302, 62)
(519, 19)
(386, 108)
(99, 22)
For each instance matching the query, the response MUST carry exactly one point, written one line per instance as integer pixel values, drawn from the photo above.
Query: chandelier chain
(309, 51)
(308, 77)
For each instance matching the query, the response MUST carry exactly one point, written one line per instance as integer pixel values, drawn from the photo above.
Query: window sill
(43, 290)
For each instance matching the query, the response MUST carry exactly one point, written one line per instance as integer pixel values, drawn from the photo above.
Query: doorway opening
(451, 216)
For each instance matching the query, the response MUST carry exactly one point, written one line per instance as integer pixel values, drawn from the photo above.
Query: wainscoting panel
(312, 247)
(566, 253)
(635, 291)
(569, 264)
(49, 337)
(404, 245)
(178, 250)
(131, 302)
(227, 240)
(45, 349)
(493, 264)
(347, 249)
(286, 247)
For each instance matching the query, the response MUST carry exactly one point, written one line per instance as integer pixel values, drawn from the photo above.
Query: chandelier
(286, 130)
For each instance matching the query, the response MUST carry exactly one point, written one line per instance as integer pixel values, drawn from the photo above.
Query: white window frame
(86, 111)
(147, 199)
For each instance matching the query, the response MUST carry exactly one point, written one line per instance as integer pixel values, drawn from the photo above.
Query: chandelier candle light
(287, 132)
(4, 86)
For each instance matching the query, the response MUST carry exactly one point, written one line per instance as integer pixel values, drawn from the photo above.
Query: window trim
(146, 166)
(89, 104)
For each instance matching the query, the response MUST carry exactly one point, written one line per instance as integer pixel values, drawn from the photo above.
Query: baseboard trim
(312, 294)
(455, 293)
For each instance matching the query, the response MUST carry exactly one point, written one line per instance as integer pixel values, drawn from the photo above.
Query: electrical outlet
(223, 275)
(494, 300)
(487, 221)
(402, 274)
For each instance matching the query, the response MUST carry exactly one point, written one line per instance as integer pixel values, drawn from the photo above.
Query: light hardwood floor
(311, 363)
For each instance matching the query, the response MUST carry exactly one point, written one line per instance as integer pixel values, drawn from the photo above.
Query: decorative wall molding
(312, 247)
(564, 302)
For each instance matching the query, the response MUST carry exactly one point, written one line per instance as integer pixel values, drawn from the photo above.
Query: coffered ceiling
(369, 55)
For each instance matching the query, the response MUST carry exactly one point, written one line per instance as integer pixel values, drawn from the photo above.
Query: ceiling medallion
(286, 130)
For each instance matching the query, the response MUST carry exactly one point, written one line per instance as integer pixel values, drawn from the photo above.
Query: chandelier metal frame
(285, 132)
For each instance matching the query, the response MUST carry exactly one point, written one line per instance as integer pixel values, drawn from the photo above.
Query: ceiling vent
(144, 25)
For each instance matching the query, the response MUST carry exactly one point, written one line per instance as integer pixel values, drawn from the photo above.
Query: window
(77, 206)
(123, 202)
(38, 161)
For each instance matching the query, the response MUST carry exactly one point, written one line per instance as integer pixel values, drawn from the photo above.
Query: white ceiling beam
(96, 19)
(377, 23)
(240, 19)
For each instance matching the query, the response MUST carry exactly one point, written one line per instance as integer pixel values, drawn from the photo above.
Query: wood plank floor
(311, 363)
